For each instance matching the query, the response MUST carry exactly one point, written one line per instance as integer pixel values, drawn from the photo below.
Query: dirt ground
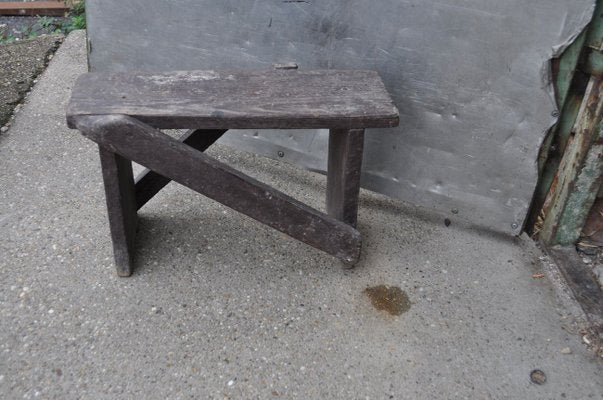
(20, 63)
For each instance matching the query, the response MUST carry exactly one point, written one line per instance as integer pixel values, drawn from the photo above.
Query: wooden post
(343, 175)
(579, 174)
(121, 208)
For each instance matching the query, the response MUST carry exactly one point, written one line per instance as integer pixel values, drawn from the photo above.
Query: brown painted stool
(123, 113)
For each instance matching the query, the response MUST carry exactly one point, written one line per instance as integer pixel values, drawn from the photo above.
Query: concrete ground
(223, 307)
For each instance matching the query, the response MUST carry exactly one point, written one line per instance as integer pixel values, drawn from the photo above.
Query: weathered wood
(120, 112)
(169, 157)
(272, 99)
(121, 207)
(54, 8)
(149, 183)
(579, 175)
(343, 173)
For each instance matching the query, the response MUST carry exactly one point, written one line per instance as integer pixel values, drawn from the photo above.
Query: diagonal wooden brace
(149, 183)
(169, 157)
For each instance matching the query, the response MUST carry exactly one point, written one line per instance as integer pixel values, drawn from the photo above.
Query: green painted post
(569, 101)
(579, 173)
(571, 159)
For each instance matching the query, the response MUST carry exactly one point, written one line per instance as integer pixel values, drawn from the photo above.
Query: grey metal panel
(470, 78)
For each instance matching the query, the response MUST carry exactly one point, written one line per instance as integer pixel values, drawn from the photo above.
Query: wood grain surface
(272, 99)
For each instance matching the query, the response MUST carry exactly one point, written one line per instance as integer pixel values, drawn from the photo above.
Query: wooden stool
(123, 113)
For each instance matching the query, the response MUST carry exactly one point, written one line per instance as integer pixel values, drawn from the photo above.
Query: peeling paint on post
(579, 174)
(581, 198)
(571, 158)
(569, 92)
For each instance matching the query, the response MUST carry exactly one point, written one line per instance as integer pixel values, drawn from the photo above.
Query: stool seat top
(272, 99)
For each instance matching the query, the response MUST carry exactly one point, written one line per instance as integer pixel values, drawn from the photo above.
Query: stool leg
(121, 208)
(343, 174)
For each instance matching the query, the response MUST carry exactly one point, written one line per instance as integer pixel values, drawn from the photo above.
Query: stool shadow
(193, 240)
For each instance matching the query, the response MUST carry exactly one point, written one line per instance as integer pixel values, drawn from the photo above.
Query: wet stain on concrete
(388, 298)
